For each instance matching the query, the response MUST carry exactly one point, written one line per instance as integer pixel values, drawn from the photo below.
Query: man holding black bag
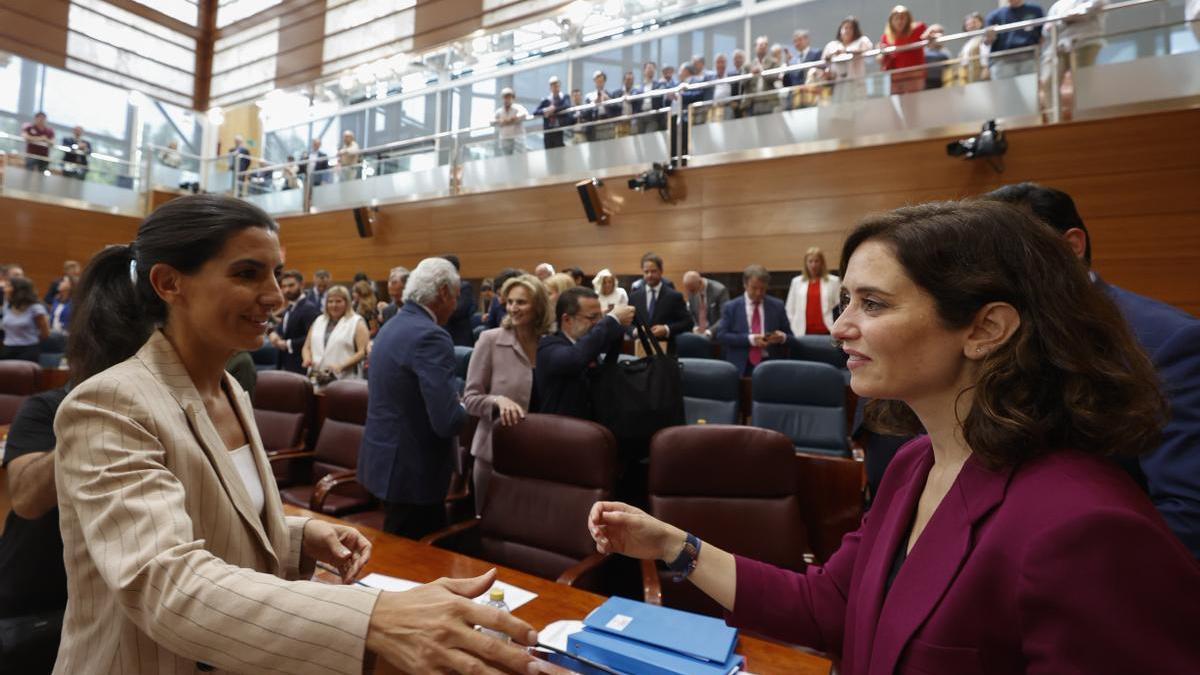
(564, 358)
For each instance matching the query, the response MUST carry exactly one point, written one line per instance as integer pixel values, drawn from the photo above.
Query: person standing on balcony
(850, 41)
(315, 163)
(549, 110)
(901, 31)
(349, 157)
(937, 55)
(510, 124)
(38, 138)
(973, 59)
(1012, 11)
(75, 160)
(649, 123)
(239, 164)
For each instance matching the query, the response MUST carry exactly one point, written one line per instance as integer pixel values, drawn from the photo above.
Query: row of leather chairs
(711, 480)
(805, 400)
(550, 469)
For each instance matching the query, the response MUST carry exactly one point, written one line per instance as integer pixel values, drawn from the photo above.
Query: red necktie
(756, 355)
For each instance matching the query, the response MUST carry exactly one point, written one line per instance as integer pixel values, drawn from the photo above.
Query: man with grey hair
(544, 271)
(754, 326)
(706, 300)
(397, 278)
(413, 413)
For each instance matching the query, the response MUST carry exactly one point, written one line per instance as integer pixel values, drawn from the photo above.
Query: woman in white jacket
(337, 342)
(611, 295)
(812, 296)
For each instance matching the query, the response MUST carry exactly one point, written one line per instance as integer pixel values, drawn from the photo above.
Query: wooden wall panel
(40, 237)
(1133, 182)
(35, 29)
(437, 21)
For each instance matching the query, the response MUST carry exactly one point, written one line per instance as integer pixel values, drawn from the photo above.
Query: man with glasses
(564, 358)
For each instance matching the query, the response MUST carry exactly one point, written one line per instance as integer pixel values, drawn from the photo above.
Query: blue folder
(638, 658)
(643, 638)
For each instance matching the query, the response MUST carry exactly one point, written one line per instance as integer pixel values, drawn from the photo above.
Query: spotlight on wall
(989, 144)
(656, 178)
(589, 195)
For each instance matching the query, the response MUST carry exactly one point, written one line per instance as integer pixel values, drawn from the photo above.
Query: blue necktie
(653, 301)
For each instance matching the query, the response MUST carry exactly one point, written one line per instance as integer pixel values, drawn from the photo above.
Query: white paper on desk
(514, 597)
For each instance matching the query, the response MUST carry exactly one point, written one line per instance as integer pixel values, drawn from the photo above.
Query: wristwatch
(685, 562)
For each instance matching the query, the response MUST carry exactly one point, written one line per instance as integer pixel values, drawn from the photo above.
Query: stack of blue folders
(633, 637)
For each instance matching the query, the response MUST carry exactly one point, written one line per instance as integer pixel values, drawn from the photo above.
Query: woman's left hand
(341, 546)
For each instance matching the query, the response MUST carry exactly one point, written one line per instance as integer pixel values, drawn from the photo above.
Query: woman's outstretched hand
(620, 528)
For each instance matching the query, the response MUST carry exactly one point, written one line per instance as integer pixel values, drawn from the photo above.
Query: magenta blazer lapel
(931, 565)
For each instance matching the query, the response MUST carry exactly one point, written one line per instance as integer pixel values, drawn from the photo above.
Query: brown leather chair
(734, 487)
(331, 487)
(549, 470)
(18, 381)
(283, 409)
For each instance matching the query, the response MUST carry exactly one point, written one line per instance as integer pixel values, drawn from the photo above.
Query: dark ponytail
(115, 308)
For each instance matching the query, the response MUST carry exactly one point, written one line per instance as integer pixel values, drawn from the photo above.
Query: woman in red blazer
(1004, 541)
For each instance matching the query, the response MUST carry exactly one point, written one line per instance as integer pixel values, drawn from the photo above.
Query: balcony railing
(837, 102)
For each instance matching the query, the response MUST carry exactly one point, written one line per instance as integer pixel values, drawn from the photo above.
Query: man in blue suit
(414, 414)
(658, 304)
(754, 326)
(288, 337)
(564, 359)
(1171, 473)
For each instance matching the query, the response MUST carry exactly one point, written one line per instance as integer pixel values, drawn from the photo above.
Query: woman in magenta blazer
(500, 376)
(1004, 541)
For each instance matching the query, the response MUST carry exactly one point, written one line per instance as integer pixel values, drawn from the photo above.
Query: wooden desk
(407, 559)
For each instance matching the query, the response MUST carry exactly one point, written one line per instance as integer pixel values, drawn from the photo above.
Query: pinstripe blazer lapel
(161, 359)
(272, 517)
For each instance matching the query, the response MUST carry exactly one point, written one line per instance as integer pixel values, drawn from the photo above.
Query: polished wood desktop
(407, 559)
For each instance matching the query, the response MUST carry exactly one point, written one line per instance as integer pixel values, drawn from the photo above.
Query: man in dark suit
(396, 280)
(316, 295)
(459, 325)
(413, 414)
(1171, 473)
(659, 306)
(289, 335)
(563, 359)
(549, 109)
(317, 162)
(706, 300)
(805, 53)
(754, 326)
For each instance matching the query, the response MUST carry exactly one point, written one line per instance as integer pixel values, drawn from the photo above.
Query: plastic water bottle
(496, 599)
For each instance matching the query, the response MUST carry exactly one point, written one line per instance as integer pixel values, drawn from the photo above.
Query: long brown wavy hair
(1071, 376)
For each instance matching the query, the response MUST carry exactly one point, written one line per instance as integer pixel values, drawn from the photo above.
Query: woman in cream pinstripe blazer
(178, 554)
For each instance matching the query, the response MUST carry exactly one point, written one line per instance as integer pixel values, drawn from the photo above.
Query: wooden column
(207, 20)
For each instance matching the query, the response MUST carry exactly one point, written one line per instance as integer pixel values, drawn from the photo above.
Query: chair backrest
(818, 348)
(693, 346)
(18, 381)
(462, 360)
(734, 487)
(804, 400)
(549, 470)
(711, 390)
(50, 360)
(341, 432)
(283, 401)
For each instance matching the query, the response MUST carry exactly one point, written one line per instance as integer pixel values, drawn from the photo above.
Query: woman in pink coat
(1005, 540)
(500, 376)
